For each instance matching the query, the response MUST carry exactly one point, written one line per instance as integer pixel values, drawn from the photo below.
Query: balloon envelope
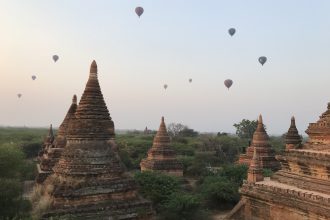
(228, 83)
(232, 31)
(190, 80)
(33, 77)
(165, 86)
(19, 95)
(139, 11)
(55, 58)
(262, 60)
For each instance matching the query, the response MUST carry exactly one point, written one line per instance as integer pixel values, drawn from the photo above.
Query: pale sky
(174, 40)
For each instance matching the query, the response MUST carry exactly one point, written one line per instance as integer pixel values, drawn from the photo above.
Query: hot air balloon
(19, 95)
(55, 58)
(139, 11)
(262, 60)
(165, 86)
(33, 77)
(190, 80)
(232, 31)
(228, 83)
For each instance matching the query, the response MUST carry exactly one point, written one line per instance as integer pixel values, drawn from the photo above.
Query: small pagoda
(89, 180)
(301, 189)
(53, 146)
(161, 157)
(292, 137)
(260, 142)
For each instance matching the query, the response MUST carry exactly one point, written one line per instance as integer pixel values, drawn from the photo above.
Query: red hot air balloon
(139, 11)
(228, 83)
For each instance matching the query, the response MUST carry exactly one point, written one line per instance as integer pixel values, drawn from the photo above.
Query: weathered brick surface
(161, 157)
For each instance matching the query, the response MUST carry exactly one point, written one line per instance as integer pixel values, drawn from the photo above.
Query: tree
(219, 191)
(156, 186)
(174, 129)
(246, 128)
(11, 163)
(182, 205)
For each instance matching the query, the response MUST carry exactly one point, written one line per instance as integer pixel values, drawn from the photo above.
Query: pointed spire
(292, 138)
(92, 118)
(255, 169)
(50, 132)
(162, 138)
(74, 100)
(62, 131)
(50, 136)
(260, 119)
(93, 68)
(260, 126)
(254, 154)
(260, 136)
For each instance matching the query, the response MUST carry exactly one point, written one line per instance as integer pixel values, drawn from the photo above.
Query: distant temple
(301, 189)
(89, 180)
(161, 157)
(265, 151)
(53, 147)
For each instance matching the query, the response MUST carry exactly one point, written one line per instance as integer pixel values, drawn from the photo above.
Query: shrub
(180, 206)
(156, 186)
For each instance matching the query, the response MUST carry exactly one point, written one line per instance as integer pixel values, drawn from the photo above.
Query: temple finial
(163, 119)
(260, 119)
(93, 68)
(74, 99)
(293, 121)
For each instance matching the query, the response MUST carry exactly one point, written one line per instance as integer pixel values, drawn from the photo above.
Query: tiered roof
(89, 180)
(161, 157)
(265, 151)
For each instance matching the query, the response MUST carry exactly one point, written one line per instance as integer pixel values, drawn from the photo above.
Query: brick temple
(161, 157)
(89, 179)
(52, 147)
(301, 189)
(266, 153)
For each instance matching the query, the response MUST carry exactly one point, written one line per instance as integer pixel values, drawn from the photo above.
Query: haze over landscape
(172, 42)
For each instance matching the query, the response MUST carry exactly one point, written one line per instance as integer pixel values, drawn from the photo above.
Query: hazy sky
(174, 40)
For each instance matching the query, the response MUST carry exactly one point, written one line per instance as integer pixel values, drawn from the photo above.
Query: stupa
(260, 141)
(301, 189)
(89, 180)
(161, 157)
(53, 146)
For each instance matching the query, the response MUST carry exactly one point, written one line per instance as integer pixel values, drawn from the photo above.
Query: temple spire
(74, 99)
(292, 138)
(50, 137)
(93, 68)
(92, 112)
(255, 169)
(161, 157)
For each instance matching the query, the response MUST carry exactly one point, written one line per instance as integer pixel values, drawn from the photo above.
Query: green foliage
(220, 188)
(219, 191)
(156, 186)
(31, 149)
(277, 143)
(267, 172)
(11, 164)
(246, 128)
(133, 148)
(11, 161)
(181, 206)
(234, 173)
(19, 136)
